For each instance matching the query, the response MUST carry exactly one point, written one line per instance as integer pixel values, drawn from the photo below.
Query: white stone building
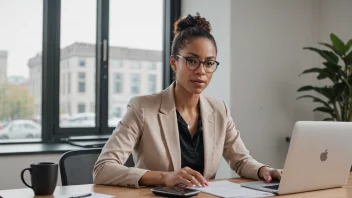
(3, 66)
(131, 72)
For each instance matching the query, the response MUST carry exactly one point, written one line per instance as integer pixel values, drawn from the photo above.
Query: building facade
(3, 66)
(132, 72)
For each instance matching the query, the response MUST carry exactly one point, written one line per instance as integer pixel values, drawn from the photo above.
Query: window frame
(50, 107)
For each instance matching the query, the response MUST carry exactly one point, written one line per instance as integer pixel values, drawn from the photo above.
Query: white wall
(267, 56)
(11, 167)
(336, 18)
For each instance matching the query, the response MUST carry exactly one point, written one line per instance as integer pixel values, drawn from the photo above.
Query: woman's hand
(186, 176)
(268, 174)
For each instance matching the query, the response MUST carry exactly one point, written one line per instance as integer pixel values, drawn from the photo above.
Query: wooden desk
(120, 192)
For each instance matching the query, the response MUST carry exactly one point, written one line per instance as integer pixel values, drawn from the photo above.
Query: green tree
(15, 102)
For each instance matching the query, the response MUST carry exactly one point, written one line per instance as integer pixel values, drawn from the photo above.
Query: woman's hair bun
(191, 21)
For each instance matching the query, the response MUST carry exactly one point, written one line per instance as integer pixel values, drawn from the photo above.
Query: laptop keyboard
(273, 187)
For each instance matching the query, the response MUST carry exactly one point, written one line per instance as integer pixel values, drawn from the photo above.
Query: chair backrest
(76, 167)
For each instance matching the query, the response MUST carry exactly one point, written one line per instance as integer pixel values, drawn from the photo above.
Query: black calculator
(174, 191)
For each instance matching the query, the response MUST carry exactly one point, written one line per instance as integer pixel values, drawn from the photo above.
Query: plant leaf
(328, 119)
(348, 59)
(306, 88)
(326, 73)
(337, 43)
(336, 69)
(325, 110)
(326, 91)
(315, 99)
(327, 55)
(348, 46)
(312, 70)
(332, 48)
(338, 90)
(323, 73)
(333, 67)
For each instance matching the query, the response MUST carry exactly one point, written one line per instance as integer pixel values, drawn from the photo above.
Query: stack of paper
(228, 189)
(92, 195)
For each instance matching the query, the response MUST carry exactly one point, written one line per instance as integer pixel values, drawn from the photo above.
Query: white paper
(229, 189)
(94, 195)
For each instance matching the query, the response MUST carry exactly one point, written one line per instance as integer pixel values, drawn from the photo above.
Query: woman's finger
(184, 181)
(276, 174)
(267, 176)
(197, 176)
(192, 179)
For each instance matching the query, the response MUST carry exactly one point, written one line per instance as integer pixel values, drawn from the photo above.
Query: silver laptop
(319, 157)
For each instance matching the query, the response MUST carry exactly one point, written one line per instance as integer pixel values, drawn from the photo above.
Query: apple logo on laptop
(324, 156)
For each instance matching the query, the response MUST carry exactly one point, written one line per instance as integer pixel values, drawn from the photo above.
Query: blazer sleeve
(109, 168)
(236, 154)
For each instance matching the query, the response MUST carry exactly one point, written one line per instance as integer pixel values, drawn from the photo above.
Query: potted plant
(335, 99)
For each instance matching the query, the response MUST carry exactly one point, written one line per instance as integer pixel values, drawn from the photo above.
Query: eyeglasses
(193, 63)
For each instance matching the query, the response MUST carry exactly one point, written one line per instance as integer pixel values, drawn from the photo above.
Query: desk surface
(121, 192)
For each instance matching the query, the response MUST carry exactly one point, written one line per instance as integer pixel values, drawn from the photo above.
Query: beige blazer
(149, 131)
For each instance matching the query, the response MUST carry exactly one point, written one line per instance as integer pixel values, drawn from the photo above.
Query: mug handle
(22, 172)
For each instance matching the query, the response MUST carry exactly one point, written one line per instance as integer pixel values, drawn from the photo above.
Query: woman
(178, 136)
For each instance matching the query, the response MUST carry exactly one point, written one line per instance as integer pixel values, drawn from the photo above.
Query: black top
(192, 149)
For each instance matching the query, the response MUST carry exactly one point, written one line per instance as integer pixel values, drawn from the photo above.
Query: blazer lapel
(168, 122)
(208, 121)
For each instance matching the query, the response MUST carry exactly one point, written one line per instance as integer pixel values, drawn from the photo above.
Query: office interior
(260, 50)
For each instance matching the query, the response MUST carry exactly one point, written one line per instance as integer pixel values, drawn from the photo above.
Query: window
(118, 112)
(134, 51)
(152, 83)
(92, 106)
(20, 48)
(81, 108)
(77, 51)
(135, 65)
(118, 83)
(65, 52)
(63, 81)
(69, 108)
(82, 63)
(135, 83)
(117, 64)
(81, 82)
(69, 82)
(152, 66)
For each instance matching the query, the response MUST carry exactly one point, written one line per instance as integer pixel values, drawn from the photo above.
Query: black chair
(76, 167)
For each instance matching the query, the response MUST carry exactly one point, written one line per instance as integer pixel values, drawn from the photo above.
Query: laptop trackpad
(263, 186)
(272, 187)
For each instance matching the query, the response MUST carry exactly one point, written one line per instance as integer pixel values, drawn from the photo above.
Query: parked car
(79, 120)
(85, 120)
(21, 129)
(3, 124)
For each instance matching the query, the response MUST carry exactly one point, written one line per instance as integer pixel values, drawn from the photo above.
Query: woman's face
(198, 49)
